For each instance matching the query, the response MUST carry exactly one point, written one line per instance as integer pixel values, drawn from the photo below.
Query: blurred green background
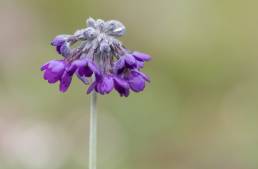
(199, 112)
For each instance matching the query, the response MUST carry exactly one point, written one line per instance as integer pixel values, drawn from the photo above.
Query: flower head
(97, 54)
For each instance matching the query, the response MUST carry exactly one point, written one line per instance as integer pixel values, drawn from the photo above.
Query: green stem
(93, 132)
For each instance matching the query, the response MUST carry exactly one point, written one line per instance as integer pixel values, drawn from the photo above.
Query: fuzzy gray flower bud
(65, 49)
(100, 24)
(115, 28)
(91, 22)
(90, 33)
(104, 47)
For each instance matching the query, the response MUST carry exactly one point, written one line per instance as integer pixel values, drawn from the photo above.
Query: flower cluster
(95, 52)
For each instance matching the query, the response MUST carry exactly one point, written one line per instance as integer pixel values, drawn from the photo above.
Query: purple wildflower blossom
(84, 67)
(98, 54)
(103, 84)
(55, 70)
(135, 79)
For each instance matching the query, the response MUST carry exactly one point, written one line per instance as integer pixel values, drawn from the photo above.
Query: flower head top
(96, 51)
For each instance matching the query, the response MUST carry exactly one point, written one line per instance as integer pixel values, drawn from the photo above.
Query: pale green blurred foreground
(199, 112)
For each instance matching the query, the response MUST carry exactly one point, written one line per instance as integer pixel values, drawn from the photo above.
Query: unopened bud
(104, 47)
(115, 28)
(91, 22)
(65, 50)
(90, 33)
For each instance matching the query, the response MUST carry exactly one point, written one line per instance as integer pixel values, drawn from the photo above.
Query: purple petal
(91, 87)
(75, 65)
(145, 77)
(82, 78)
(70, 70)
(56, 66)
(106, 85)
(51, 77)
(99, 89)
(58, 49)
(120, 82)
(59, 40)
(53, 70)
(130, 60)
(125, 93)
(65, 82)
(44, 67)
(139, 64)
(141, 56)
(85, 71)
(121, 86)
(137, 83)
(93, 67)
(119, 64)
(86, 67)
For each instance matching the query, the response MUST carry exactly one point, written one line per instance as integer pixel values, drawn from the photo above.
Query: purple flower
(103, 84)
(131, 61)
(95, 51)
(126, 61)
(54, 70)
(84, 67)
(135, 79)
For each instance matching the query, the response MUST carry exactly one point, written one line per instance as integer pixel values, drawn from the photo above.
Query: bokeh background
(199, 112)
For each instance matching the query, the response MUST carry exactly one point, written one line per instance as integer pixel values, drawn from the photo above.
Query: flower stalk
(93, 132)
